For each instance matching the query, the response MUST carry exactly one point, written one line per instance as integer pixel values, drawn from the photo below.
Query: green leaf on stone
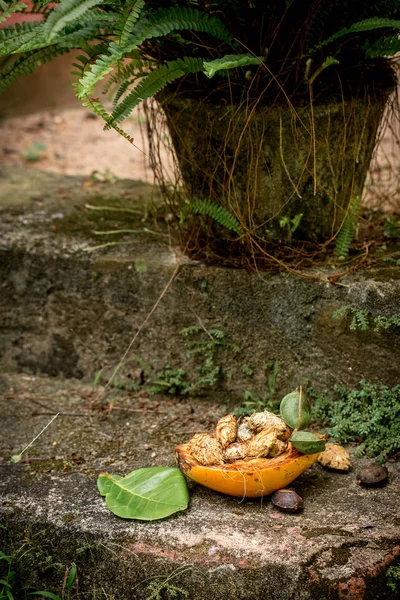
(295, 410)
(307, 442)
(146, 494)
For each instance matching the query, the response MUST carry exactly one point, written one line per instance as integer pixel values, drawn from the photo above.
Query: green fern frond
(346, 233)
(8, 31)
(101, 18)
(39, 4)
(127, 71)
(126, 75)
(94, 104)
(211, 209)
(12, 39)
(126, 21)
(121, 91)
(98, 109)
(385, 46)
(130, 72)
(68, 11)
(153, 83)
(8, 10)
(123, 87)
(27, 63)
(74, 39)
(92, 51)
(230, 61)
(31, 36)
(360, 26)
(159, 23)
(43, 7)
(165, 20)
(103, 65)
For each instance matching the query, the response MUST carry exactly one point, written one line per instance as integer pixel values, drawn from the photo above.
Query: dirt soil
(71, 141)
(97, 428)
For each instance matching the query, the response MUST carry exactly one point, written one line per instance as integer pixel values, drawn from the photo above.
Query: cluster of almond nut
(262, 435)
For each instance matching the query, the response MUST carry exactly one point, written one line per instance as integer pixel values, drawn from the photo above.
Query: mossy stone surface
(70, 310)
(67, 312)
(53, 516)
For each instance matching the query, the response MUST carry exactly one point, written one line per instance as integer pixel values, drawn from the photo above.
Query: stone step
(69, 310)
(222, 547)
(70, 315)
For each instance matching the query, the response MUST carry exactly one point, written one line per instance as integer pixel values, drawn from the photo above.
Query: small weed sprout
(35, 152)
(247, 370)
(17, 457)
(158, 589)
(10, 591)
(267, 401)
(202, 346)
(363, 320)
(290, 225)
(162, 587)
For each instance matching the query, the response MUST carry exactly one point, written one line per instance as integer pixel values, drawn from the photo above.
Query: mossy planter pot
(264, 163)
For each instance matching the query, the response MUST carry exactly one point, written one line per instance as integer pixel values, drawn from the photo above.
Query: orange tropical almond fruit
(251, 478)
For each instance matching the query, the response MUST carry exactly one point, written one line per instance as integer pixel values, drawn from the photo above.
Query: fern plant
(364, 320)
(113, 37)
(136, 48)
(217, 212)
(236, 53)
(346, 233)
(370, 413)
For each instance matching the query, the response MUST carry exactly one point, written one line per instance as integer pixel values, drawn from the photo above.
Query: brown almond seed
(373, 475)
(287, 501)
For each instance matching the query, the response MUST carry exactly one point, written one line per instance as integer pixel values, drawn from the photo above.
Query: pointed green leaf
(146, 494)
(307, 442)
(9, 10)
(155, 81)
(45, 594)
(230, 61)
(366, 25)
(71, 577)
(66, 12)
(295, 415)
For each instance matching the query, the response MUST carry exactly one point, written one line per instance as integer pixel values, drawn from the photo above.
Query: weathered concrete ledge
(67, 311)
(339, 546)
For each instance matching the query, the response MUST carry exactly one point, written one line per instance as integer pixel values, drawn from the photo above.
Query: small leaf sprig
(295, 410)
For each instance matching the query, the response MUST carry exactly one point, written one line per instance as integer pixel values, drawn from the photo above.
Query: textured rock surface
(67, 311)
(345, 537)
